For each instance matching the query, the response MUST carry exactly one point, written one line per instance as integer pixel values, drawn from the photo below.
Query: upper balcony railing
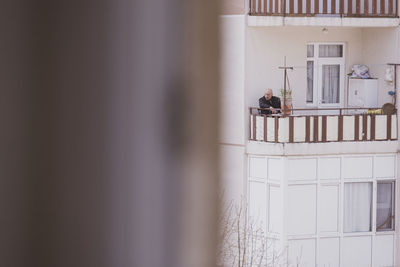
(322, 128)
(339, 8)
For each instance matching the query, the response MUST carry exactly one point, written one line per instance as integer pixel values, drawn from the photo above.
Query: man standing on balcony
(270, 102)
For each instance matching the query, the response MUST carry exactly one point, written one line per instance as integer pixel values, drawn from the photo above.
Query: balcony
(351, 13)
(322, 128)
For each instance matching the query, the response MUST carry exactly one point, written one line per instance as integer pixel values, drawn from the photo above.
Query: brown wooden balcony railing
(343, 8)
(322, 128)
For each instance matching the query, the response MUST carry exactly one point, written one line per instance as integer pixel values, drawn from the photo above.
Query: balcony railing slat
(372, 135)
(308, 7)
(291, 6)
(390, 8)
(315, 133)
(291, 129)
(374, 7)
(259, 7)
(265, 129)
(307, 129)
(323, 128)
(382, 8)
(365, 124)
(366, 6)
(340, 128)
(358, 7)
(333, 7)
(349, 7)
(356, 128)
(300, 6)
(276, 129)
(389, 127)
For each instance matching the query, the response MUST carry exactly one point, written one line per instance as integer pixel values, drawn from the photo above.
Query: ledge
(259, 21)
(297, 149)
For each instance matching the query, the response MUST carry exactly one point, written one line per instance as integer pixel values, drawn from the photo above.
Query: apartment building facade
(322, 179)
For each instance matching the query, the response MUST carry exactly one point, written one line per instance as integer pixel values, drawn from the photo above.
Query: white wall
(233, 109)
(267, 46)
(232, 29)
(380, 46)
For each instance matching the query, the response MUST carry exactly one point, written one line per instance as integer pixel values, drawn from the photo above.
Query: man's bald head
(268, 93)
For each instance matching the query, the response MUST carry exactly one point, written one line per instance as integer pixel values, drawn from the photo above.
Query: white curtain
(310, 50)
(330, 50)
(357, 207)
(384, 206)
(330, 83)
(310, 81)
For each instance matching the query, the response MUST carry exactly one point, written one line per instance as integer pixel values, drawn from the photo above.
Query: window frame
(317, 74)
(393, 205)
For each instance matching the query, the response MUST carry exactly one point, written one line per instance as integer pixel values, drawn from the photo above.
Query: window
(357, 207)
(385, 206)
(325, 74)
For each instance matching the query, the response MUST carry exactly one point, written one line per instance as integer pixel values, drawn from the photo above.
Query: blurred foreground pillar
(109, 131)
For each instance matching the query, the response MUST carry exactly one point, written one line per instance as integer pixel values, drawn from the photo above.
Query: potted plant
(286, 101)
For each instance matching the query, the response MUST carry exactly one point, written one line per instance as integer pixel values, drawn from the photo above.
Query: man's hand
(273, 110)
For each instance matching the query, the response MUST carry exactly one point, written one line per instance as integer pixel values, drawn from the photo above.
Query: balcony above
(335, 13)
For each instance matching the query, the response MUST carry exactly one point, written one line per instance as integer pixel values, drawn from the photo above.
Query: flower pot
(287, 107)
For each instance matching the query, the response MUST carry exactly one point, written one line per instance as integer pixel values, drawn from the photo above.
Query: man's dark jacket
(274, 102)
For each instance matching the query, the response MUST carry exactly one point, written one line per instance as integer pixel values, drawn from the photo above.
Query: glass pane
(357, 207)
(330, 84)
(384, 209)
(310, 81)
(330, 50)
(310, 50)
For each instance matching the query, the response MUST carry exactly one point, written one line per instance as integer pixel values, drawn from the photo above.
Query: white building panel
(357, 167)
(348, 128)
(380, 127)
(299, 124)
(384, 166)
(258, 167)
(357, 251)
(275, 169)
(331, 128)
(328, 207)
(329, 168)
(301, 212)
(302, 253)
(257, 203)
(302, 169)
(384, 250)
(328, 252)
(275, 210)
